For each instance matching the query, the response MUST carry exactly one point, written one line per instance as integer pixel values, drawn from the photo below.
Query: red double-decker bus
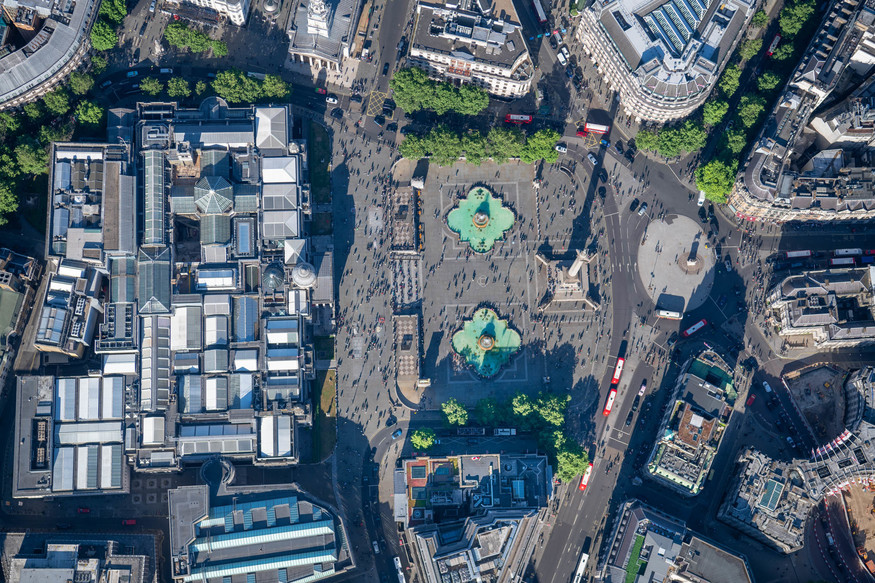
(618, 370)
(774, 45)
(517, 118)
(609, 404)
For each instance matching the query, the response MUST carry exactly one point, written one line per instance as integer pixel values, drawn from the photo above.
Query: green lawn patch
(322, 224)
(325, 415)
(634, 565)
(318, 162)
(324, 347)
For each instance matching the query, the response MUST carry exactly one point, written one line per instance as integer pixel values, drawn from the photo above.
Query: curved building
(663, 57)
(51, 55)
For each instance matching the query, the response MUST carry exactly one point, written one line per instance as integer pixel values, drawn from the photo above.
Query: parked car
(397, 433)
(385, 69)
(619, 148)
(132, 74)
(561, 148)
(376, 548)
(561, 58)
(634, 205)
(152, 5)
(332, 99)
(569, 72)
(564, 52)
(593, 159)
(750, 400)
(642, 209)
(701, 200)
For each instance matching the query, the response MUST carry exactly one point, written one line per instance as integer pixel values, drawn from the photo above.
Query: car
(105, 84)
(561, 58)
(129, 522)
(392, 127)
(767, 387)
(332, 99)
(569, 72)
(750, 400)
(380, 120)
(721, 301)
(355, 98)
(593, 159)
(629, 418)
(561, 148)
(132, 74)
(619, 148)
(166, 71)
(701, 200)
(385, 69)
(337, 113)
(672, 340)
(642, 209)
(321, 91)
(602, 191)
(603, 175)
(643, 388)
(728, 263)
(391, 420)
(83, 510)
(376, 548)
(553, 44)
(630, 155)
(397, 433)
(564, 51)
(791, 442)
(634, 205)
(152, 5)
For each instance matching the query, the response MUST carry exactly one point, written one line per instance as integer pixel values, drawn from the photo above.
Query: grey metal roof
(153, 177)
(215, 163)
(215, 229)
(182, 199)
(230, 133)
(154, 278)
(271, 128)
(280, 224)
(216, 360)
(245, 318)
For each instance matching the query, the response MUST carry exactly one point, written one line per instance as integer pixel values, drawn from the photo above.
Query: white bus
(581, 567)
(669, 315)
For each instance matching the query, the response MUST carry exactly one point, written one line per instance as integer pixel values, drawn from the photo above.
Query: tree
(98, 64)
(31, 157)
(714, 112)
(783, 52)
(716, 179)
(423, 438)
(522, 407)
(88, 112)
(571, 462)
(220, 49)
(551, 408)
(8, 165)
(234, 86)
(504, 143)
(151, 86)
(760, 19)
(750, 48)
(541, 146)
(475, 147)
(730, 79)
(80, 83)
(409, 88)
(768, 81)
(736, 140)
(692, 136)
(33, 110)
(273, 87)
(8, 201)
(55, 133)
(793, 17)
(647, 140)
(178, 87)
(455, 412)
(200, 87)
(103, 36)
(413, 90)
(749, 109)
(669, 144)
(472, 100)
(413, 147)
(488, 411)
(113, 10)
(9, 123)
(444, 145)
(57, 102)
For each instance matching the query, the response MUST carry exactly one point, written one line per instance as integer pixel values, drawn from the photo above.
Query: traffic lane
(849, 561)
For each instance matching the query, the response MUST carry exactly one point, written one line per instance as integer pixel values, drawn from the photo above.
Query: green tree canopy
(692, 136)
(571, 461)
(413, 90)
(31, 157)
(273, 87)
(768, 81)
(760, 19)
(794, 15)
(541, 146)
(422, 438)
(488, 411)
(413, 147)
(730, 79)
(736, 140)
(151, 86)
(8, 201)
(220, 49)
(57, 101)
(33, 110)
(750, 107)
(750, 48)
(783, 52)
(103, 36)
(475, 147)
(200, 87)
(551, 407)
(235, 87)
(445, 145)
(716, 179)
(8, 164)
(179, 35)
(98, 64)
(9, 123)
(504, 143)
(647, 140)
(714, 111)
(59, 132)
(113, 10)
(81, 83)
(178, 87)
(88, 112)
(455, 412)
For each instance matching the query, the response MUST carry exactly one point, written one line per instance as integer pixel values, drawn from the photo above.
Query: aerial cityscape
(431, 291)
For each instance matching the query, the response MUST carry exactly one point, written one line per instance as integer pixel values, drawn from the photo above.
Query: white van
(701, 198)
